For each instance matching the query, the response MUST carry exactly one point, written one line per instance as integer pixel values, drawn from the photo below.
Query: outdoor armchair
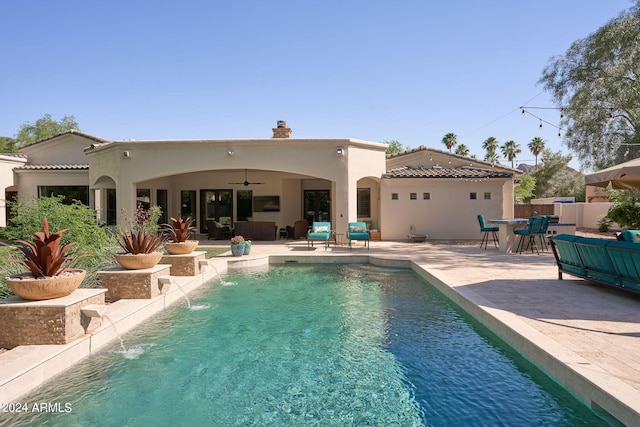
(320, 231)
(299, 229)
(358, 231)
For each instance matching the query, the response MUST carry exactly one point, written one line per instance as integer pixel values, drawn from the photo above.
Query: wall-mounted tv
(266, 203)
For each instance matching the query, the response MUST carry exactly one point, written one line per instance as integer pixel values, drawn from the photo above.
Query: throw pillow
(320, 229)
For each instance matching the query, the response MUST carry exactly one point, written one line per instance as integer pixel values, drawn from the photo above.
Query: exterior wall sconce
(126, 154)
(231, 153)
(340, 151)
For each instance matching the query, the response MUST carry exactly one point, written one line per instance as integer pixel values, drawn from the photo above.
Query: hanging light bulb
(540, 127)
(561, 115)
(610, 117)
(559, 136)
(523, 112)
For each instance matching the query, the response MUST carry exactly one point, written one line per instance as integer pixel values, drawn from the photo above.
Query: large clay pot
(26, 286)
(139, 261)
(181, 248)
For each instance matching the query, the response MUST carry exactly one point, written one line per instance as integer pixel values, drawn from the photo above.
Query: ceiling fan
(246, 181)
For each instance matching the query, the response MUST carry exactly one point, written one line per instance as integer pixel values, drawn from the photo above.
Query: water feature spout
(93, 310)
(203, 265)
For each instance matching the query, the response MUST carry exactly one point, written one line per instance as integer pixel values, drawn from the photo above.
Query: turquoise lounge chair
(358, 231)
(320, 231)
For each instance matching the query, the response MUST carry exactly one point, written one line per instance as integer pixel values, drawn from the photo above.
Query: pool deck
(585, 335)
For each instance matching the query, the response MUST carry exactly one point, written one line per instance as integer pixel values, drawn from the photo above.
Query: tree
(524, 192)
(394, 147)
(536, 145)
(490, 145)
(510, 150)
(553, 178)
(462, 150)
(43, 128)
(596, 84)
(450, 140)
(7, 145)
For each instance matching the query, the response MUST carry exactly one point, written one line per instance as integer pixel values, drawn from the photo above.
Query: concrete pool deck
(584, 335)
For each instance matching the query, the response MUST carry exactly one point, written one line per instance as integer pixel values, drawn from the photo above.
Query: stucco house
(279, 179)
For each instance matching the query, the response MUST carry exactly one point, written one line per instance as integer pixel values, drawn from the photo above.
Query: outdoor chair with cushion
(358, 231)
(217, 231)
(484, 228)
(299, 229)
(320, 232)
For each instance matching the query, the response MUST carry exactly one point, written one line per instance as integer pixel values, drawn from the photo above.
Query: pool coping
(25, 368)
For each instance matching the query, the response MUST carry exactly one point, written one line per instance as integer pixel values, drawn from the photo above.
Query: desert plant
(45, 257)
(180, 229)
(139, 234)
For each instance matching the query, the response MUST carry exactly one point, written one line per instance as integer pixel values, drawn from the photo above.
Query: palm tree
(536, 146)
(491, 157)
(490, 145)
(510, 150)
(462, 150)
(450, 140)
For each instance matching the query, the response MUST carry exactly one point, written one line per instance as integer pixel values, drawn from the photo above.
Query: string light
(540, 125)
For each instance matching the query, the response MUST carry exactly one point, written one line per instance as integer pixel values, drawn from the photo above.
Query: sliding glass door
(216, 205)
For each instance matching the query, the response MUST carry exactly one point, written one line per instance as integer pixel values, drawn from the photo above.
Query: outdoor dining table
(507, 240)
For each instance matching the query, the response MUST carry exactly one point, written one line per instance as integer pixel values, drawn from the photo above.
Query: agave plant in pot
(179, 231)
(46, 260)
(140, 240)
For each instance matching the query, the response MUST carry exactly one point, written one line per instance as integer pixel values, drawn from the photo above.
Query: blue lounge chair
(486, 230)
(320, 231)
(358, 231)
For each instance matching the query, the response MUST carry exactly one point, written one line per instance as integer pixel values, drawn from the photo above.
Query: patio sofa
(611, 262)
(256, 230)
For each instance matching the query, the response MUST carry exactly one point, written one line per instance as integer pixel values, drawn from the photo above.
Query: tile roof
(444, 172)
(52, 167)
(97, 139)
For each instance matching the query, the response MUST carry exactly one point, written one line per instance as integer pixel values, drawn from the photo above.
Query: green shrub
(83, 228)
(626, 208)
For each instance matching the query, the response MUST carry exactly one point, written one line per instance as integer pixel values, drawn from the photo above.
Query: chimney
(281, 130)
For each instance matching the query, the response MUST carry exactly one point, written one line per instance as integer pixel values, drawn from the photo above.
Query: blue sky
(376, 70)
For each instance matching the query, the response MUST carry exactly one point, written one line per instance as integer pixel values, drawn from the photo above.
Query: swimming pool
(310, 345)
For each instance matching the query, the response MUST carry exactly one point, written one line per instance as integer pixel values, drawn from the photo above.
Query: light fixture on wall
(340, 151)
(231, 153)
(126, 154)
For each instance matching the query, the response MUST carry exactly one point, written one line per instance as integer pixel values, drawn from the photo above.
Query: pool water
(310, 345)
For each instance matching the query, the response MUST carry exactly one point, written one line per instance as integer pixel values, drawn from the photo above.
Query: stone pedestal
(53, 321)
(184, 265)
(133, 284)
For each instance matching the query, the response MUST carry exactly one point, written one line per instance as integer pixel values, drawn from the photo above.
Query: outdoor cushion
(630, 236)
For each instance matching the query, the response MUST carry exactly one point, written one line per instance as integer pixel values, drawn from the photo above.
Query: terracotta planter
(138, 261)
(181, 248)
(28, 287)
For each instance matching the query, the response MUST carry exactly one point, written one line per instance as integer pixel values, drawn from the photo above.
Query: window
(162, 199)
(394, 196)
(487, 195)
(364, 203)
(413, 196)
(244, 205)
(473, 196)
(70, 193)
(188, 204)
(143, 197)
(426, 196)
(111, 206)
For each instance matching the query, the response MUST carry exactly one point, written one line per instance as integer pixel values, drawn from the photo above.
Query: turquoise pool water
(310, 345)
